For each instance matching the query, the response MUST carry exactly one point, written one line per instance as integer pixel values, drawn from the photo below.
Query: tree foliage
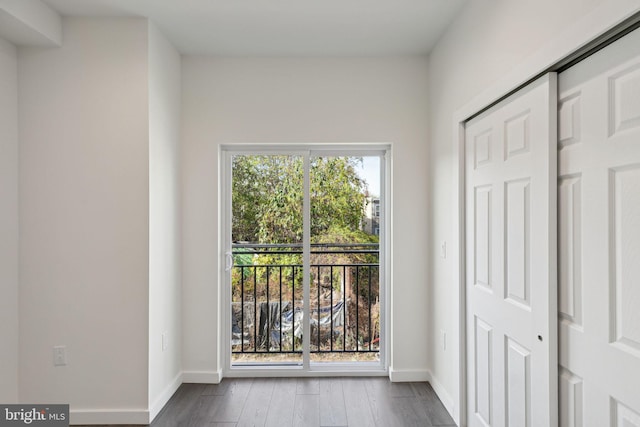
(267, 197)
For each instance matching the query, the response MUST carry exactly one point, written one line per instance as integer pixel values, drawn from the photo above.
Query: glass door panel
(267, 273)
(345, 313)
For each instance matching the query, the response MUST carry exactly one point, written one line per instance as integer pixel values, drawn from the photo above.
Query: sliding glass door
(303, 259)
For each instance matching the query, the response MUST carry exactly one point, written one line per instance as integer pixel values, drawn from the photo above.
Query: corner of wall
(165, 237)
(9, 221)
(445, 397)
(162, 399)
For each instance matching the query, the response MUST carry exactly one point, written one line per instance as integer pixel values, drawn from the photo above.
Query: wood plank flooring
(304, 402)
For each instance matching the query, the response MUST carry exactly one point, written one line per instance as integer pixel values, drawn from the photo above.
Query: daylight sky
(370, 172)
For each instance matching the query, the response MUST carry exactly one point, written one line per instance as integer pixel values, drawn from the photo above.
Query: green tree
(337, 195)
(267, 197)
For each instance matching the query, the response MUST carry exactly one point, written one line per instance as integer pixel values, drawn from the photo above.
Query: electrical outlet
(443, 249)
(60, 355)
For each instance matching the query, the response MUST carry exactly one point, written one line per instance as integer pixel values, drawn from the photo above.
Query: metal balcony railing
(267, 302)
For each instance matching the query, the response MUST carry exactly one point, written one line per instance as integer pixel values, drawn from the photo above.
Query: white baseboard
(204, 377)
(102, 416)
(408, 375)
(443, 395)
(164, 397)
(142, 416)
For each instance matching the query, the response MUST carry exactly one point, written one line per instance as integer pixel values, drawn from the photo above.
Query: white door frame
(590, 30)
(306, 151)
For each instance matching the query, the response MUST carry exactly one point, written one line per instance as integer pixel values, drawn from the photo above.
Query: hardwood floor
(302, 402)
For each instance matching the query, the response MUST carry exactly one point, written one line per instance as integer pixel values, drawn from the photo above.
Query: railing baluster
(318, 313)
(331, 301)
(344, 308)
(293, 308)
(268, 314)
(255, 311)
(241, 309)
(280, 308)
(370, 335)
(357, 308)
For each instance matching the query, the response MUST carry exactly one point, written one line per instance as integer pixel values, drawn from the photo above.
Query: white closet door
(511, 182)
(599, 238)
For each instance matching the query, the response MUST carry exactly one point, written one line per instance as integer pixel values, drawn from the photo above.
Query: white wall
(84, 228)
(480, 50)
(164, 220)
(303, 100)
(8, 222)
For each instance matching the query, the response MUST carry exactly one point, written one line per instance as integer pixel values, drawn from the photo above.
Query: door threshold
(298, 371)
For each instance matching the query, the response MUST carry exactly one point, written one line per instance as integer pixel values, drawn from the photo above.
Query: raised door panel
(517, 251)
(625, 250)
(482, 147)
(483, 377)
(570, 250)
(517, 135)
(482, 238)
(623, 416)
(624, 102)
(569, 120)
(571, 399)
(518, 384)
